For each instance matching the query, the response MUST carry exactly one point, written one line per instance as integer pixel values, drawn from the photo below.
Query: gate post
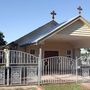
(6, 51)
(39, 66)
(76, 70)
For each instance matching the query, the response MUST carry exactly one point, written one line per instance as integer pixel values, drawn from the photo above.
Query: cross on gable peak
(53, 13)
(79, 9)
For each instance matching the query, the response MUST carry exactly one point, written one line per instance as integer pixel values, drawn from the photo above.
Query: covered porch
(60, 45)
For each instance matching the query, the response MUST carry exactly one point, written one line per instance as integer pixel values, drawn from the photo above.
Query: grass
(52, 87)
(63, 87)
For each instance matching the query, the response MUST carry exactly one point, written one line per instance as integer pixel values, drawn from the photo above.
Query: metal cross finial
(79, 9)
(53, 14)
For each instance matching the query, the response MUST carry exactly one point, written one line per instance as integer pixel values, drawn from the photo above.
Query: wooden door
(48, 64)
(50, 54)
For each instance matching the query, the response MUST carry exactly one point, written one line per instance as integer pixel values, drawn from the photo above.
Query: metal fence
(18, 68)
(83, 68)
(21, 68)
(58, 69)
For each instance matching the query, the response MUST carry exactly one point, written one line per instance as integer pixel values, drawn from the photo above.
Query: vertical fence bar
(76, 70)
(39, 66)
(42, 67)
(48, 66)
(6, 51)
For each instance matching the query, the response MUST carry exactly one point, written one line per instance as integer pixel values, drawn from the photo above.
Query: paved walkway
(21, 88)
(86, 85)
(39, 88)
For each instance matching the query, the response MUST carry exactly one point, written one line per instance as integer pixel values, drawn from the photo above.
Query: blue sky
(19, 17)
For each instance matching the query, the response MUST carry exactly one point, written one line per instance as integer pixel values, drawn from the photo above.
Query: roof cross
(53, 14)
(79, 9)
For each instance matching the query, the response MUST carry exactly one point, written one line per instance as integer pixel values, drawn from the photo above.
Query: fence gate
(21, 68)
(83, 68)
(58, 69)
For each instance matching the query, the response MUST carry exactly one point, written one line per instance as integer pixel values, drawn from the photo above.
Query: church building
(49, 54)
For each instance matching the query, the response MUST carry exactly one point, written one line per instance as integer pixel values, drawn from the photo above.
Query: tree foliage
(2, 41)
(87, 49)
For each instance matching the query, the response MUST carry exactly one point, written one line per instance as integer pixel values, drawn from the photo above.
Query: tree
(2, 41)
(88, 49)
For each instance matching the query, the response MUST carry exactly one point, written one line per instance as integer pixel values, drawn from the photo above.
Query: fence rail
(19, 57)
(58, 65)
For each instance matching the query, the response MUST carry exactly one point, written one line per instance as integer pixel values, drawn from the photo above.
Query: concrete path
(21, 88)
(86, 85)
(39, 88)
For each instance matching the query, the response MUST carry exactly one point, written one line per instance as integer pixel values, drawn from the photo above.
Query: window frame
(69, 55)
(32, 51)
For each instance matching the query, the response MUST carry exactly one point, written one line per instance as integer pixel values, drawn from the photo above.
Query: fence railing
(84, 60)
(58, 69)
(19, 57)
(18, 68)
(21, 68)
(58, 65)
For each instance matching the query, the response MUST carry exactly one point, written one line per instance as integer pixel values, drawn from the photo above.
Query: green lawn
(63, 87)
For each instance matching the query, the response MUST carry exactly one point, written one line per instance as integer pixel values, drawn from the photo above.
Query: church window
(69, 53)
(32, 51)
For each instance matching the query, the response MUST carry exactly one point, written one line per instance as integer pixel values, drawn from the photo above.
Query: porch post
(76, 70)
(6, 51)
(39, 65)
